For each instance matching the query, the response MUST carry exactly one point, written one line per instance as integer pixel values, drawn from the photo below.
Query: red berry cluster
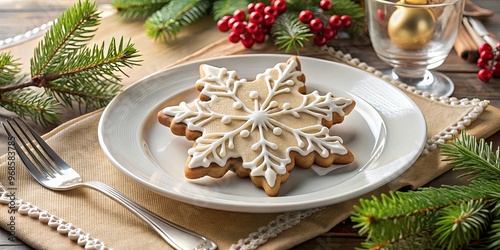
(254, 27)
(328, 30)
(489, 62)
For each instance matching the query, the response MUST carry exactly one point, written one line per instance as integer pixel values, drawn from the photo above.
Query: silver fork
(53, 173)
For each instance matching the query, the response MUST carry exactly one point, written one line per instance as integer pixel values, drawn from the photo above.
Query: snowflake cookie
(261, 128)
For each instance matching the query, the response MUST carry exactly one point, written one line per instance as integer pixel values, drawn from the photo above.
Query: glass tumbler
(413, 38)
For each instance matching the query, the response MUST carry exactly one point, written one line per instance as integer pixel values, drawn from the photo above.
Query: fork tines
(31, 148)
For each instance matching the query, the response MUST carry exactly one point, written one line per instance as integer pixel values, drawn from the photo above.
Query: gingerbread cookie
(261, 128)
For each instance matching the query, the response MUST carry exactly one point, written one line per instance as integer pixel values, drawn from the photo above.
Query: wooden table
(19, 16)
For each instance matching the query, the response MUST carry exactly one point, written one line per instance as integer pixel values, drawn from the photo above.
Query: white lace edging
(441, 137)
(287, 220)
(60, 225)
(273, 228)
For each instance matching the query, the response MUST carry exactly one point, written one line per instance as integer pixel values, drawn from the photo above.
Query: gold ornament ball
(411, 28)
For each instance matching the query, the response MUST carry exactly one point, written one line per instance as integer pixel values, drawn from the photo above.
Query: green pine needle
(9, 68)
(222, 8)
(476, 157)
(166, 23)
(138, 9)
(494, 239)
(29, 103)
(460, 224)
(289, 33)
(89, 77)
(70, 32)
(449, 217)
(69, 71)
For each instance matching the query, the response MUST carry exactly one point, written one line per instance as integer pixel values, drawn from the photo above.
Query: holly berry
(485, 47)
(484, 75)
(256, 17)
(316, 25)
(486, 55)
(319, 40)
(346, 21)
(259, 7)
(239, 28)
(222, 24)
(233, 37)
(329, 33)
(280, 6)
(269, 20)
(496, 70)
(306, 16)
(325, 4)
(335, 22)
(251, 7)
(489, 62)
(253, 24)
(259, 37)
(247, 41)
(239, 15)
(270, 10)
(252, 28)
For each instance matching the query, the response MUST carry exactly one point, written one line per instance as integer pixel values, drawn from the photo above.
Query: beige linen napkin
(76, 141)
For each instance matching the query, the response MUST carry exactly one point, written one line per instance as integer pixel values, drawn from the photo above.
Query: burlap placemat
(100, 218)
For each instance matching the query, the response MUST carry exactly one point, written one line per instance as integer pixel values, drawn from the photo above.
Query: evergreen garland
(164, 23)
(448, 217)
(67, 69)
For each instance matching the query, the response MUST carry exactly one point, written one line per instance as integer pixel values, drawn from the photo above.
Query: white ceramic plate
(386, 132)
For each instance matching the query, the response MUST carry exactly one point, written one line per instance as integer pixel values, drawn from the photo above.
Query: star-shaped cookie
(261, 128)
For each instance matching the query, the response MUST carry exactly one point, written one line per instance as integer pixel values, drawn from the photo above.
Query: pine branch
(494, 239)
(72, 30)
(460, 224)
(90, 77)
(477, 157)
(9, 68)
(29, 103)
(222, 8)
(67, 70)
(166, 23)
(289, 33)
(449, 217)
(394, 217)
(138, 9)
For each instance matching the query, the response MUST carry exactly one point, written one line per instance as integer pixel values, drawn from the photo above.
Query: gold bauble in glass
(411, 28)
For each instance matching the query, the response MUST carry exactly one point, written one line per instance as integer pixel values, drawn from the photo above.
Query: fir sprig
(166, 23)
(138, 9)
(69, 71)
(449, 217)
(9, 68)
(289, 33)
(73, 29)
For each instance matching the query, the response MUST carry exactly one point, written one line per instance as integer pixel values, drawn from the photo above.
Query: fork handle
(177, 236)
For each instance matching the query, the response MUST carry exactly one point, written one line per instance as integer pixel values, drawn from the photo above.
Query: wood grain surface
(17, 17)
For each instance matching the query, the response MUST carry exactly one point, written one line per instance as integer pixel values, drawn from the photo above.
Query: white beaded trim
(60, 225)
(273, 228)
(11, 41)
(445, 135)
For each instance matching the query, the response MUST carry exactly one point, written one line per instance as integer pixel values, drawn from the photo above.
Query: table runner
(100, 218)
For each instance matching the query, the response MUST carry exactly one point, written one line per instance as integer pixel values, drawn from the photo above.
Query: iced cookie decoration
(261, 128)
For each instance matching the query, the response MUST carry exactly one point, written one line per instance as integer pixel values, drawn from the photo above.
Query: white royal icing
(255, 120)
